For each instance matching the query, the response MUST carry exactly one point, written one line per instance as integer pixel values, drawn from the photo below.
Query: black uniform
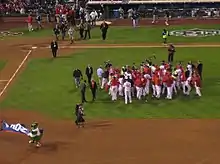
(199, 69)
(89, 72)
(104, 29)
(83, 91)
(79, 115)
(56, 31)
(93, 87)
(87, 30)
(54, 48)
(171, 51)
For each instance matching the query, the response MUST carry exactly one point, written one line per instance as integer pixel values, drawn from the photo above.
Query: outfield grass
(47, 86)
(139, 35)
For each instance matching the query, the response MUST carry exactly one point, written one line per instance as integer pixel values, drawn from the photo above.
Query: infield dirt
(101, 141)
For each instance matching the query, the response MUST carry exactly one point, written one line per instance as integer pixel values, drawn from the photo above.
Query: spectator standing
(56, 31)
(87, 30)
(104, 29)
(93, 87)
(99, 74)
(54, 48)
(83, 91)
(77, 75)
(89, 73)
(39, 20)
(29, 22)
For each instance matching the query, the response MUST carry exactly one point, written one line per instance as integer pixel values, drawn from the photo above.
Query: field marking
(15, 73)
(130, 46)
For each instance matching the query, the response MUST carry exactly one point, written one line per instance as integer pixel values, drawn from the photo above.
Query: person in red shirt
(197, 84)
(139, 88)
(157, 82)
(29, 22)
(114, 88)
(169, 82)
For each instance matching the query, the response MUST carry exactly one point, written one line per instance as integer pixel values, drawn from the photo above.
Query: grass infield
(47, 86)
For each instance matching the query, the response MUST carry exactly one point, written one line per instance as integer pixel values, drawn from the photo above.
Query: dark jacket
(93, 85)
(89, 71)
(77, 73)
(104, 27)
(56, 31)
(54, 45)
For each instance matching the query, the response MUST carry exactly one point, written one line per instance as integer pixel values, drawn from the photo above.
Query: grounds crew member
(77, 75)
(83, 91)
(93, 87)
(104, 29)
(165, 34)
(54, 48)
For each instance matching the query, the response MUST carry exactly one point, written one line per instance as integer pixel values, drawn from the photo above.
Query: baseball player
(71, 33)
(127, 91)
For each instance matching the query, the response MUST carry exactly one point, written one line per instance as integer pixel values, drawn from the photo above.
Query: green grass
(47, 86)
(148, 34)
(2, 64)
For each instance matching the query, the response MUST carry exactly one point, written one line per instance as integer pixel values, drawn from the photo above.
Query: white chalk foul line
(15, 73)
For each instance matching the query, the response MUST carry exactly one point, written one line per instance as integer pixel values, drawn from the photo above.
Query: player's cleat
(38, 145)
(31, 141)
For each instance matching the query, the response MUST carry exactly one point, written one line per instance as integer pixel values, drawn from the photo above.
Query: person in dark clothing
(77, 75)
(87, 30)
(171, 52)
(83, 91)
(56, 32)
(89, 72)
(93, 87)
(200, 68)
(104, 29)
(81, 30)
(79, 112)
(54, 48)
(63, 29)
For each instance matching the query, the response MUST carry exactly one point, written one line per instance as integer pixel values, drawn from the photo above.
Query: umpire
(104, 29)
(54, 48)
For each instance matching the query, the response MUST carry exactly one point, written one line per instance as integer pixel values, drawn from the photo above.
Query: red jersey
(183, 77)
(114, 82)
(157, 80)
(169, 81)
(143, 81)
(29, 19)
(197, 81)
(138, 82)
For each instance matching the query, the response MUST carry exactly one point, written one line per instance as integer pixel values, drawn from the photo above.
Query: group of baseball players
(149, 78)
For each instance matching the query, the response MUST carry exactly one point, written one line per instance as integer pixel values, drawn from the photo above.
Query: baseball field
(36, 87)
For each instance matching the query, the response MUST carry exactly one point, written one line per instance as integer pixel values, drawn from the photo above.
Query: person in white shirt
(71, 33)
(120, 88)
(127, 91)
(99, 74)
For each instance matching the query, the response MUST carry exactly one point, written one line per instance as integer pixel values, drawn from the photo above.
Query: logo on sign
(196, 32)
(19, 128)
